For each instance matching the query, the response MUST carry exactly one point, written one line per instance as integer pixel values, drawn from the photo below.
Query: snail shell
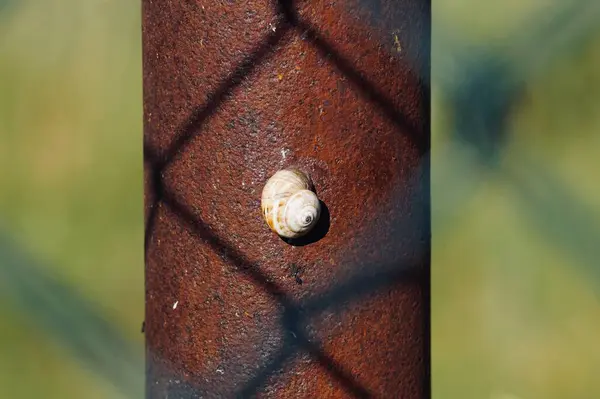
(289, 205)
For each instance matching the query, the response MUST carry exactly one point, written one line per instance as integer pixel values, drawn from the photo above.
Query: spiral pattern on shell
(289, 205)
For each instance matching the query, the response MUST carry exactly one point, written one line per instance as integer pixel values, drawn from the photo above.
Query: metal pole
(234, 91)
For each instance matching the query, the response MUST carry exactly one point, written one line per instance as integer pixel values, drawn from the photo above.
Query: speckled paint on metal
(234, 91)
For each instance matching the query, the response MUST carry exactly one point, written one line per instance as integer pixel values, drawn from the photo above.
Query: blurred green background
(516, 199)
(71, 196)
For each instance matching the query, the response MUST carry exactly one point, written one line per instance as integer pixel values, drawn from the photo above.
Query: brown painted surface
(234, 91)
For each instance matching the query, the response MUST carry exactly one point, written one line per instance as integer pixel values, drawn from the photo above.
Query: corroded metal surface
(234, 91)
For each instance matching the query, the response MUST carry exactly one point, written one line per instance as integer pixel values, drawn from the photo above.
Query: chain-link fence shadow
(295, 315)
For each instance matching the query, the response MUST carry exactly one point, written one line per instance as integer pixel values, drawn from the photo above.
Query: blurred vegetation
(516, 199)
(71, 276)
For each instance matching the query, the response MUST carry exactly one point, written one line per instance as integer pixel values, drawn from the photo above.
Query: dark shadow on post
(159, 161)
(371, 92)
(236, 259)
(250, 388)
(157, 193)
(235, 78)
(292, 313)
(295, 315)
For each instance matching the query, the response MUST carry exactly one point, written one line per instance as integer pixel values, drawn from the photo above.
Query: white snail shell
(289, 205)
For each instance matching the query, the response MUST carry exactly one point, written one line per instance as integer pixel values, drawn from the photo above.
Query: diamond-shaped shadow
(295, 315)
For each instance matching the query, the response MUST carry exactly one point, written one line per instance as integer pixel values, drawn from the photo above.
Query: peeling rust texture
(234, 91)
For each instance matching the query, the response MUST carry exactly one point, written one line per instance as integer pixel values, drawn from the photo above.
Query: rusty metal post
(234, 91)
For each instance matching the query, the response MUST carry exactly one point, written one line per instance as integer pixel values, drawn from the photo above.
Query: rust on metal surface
(233, 92)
